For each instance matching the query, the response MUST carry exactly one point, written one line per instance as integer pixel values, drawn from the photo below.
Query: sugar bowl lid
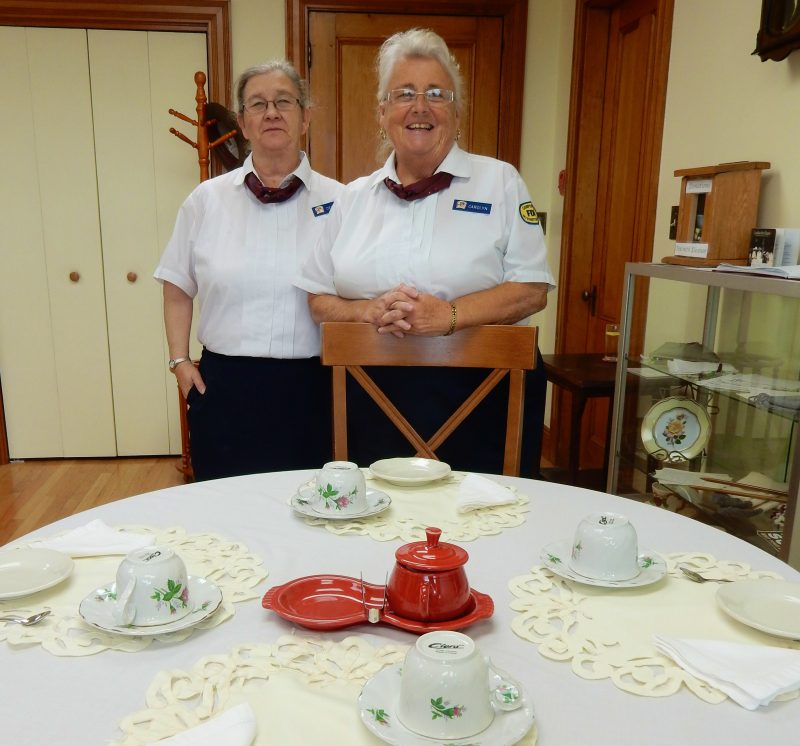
(430, 554)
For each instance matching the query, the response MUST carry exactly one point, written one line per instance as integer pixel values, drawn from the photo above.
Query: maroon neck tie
(269, 194)
(421, 188)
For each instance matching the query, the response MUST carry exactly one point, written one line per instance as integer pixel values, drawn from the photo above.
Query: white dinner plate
(555, 557)
(97, 610)
(772, 606)
(24, 571)
(377, 705)
(305, 499)
(410, 471)
(676, 425)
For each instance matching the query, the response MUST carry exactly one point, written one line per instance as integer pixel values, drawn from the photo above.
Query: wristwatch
(177, 361)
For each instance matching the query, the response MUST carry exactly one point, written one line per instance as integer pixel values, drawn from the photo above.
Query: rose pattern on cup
(441, 709)
(175, 596)
(333, 500)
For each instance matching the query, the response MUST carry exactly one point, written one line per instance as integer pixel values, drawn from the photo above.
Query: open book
(790, 272)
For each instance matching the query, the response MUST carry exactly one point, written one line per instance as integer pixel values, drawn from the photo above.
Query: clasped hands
(404, 310)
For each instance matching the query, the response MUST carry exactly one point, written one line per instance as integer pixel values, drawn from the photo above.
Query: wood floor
(37, 492)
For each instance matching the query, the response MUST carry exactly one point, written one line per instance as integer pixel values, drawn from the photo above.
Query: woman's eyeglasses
(406, 96)
(259, 107)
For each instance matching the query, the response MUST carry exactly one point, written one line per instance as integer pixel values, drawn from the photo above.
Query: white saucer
(303, 503)
(410, 471)
(97, 610)
(772, 606)
(377, 707)
(24, 571)
(555, 557)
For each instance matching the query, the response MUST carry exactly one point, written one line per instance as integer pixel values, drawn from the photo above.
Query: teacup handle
(506, 693)
(124, 611)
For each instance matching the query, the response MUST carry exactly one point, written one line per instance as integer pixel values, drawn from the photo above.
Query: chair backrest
(506, 350)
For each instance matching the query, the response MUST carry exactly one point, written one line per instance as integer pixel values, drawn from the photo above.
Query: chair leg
(339, 384)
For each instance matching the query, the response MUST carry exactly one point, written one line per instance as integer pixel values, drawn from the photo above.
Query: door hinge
(308, 56)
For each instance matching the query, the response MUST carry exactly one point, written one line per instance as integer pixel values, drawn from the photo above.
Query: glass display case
(707, 400)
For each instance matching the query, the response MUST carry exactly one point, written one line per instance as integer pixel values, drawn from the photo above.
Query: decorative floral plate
(555, 557)
(410, 471)
(97, 610)
(676, 425)
(336, 601)
(303, 503)
(379, 696)
(772, 606)
(24, 571)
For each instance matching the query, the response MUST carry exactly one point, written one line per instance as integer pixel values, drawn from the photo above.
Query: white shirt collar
(455, 162)
(303, 171)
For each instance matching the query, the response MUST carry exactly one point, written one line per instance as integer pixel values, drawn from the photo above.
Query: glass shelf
(730, 345)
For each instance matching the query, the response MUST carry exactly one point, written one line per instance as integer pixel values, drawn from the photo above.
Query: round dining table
(49, 699)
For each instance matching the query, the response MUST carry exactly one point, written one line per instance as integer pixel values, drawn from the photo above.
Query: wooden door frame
(582, 164)
(209, 17)
(515, 30)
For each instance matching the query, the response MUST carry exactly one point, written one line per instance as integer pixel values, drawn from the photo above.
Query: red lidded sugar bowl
(428, 582)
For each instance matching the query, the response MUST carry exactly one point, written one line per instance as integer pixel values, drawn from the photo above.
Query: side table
(586, 376)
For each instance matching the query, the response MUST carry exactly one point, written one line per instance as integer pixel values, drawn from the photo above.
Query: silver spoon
(698, 578)
(25, 621)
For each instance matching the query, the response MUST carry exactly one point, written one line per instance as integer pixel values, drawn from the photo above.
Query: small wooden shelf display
(718, 209)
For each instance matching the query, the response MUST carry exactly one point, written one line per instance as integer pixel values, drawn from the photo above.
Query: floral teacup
(152, 587)
(341, 489)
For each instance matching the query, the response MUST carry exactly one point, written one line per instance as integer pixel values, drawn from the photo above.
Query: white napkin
(234, 727)
(751, 675)
(95, 539)
(476, 491)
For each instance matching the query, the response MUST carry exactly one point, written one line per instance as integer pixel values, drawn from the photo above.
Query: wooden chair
(347, 347)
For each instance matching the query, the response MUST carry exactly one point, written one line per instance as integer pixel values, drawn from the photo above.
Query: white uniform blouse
(478, 233)
(240, 257)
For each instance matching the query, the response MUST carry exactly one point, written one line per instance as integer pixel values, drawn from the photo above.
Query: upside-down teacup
(605, 547)
(449, 690)
(341, 489)
(152, 587)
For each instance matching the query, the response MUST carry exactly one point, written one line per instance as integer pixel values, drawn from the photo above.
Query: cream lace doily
(228, 564)
(607, 633)
(302, 692)
(413, 509)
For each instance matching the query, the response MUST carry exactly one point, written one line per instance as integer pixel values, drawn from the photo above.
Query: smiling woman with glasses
(435, 241)
(237, 241)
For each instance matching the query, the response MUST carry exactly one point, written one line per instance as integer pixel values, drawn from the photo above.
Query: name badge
(321, 209)
(465, 206)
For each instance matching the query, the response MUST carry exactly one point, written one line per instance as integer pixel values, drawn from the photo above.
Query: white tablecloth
(49, 700)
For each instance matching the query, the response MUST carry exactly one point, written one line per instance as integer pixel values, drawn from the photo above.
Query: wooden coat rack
(204, 148)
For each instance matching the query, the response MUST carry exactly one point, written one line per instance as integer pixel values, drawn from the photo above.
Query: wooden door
(343, 136)
(620, 64)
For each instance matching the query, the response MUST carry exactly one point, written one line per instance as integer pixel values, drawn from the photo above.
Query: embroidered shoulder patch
(321, 209)
(528, 213)
(466, 206)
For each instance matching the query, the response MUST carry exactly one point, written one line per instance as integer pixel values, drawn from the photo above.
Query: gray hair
(280, 66)
(417, 42)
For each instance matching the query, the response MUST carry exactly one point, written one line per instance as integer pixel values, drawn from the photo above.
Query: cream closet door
(91, 184)
(53, 344)
(142, 179)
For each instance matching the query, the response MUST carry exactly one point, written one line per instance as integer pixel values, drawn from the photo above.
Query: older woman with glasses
(259, 399)
(436, 241)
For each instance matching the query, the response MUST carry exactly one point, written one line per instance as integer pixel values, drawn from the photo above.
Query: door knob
(131, 276)
(74, 276)
(590, 296)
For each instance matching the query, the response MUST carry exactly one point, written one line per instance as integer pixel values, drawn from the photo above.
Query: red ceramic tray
(335, 601)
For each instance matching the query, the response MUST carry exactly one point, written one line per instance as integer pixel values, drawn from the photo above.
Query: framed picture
(779, 33)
